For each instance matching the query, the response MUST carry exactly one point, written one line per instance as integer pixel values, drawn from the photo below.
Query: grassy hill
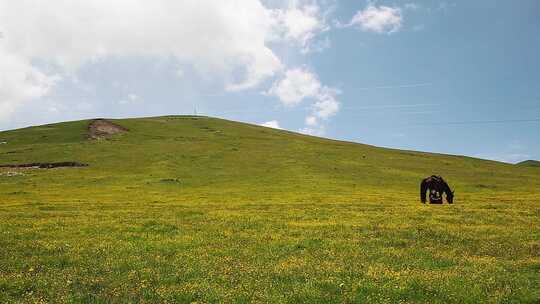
(185, 208)
(530, 163)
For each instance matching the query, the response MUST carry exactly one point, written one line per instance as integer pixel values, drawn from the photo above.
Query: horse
(436, 187)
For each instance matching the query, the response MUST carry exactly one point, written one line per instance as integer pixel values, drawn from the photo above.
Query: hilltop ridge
(212, 155)
(529, 163)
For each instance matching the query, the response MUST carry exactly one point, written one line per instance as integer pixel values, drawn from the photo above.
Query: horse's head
(450, 197)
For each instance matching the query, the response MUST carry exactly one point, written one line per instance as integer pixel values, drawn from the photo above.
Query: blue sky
(458, 77)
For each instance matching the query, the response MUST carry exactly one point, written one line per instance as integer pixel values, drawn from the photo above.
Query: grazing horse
(436, 187)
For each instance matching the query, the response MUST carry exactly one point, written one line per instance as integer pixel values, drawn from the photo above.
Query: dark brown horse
(436, 186)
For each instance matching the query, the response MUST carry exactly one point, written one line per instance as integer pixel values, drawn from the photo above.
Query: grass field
(188, 209)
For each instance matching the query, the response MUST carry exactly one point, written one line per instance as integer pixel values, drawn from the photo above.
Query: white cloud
(271, 124)
(325, 107)
(20, 82)
(299, 84)
(311, 121)
(228, 41)
(302, 23)
(327, 104)
(378, 19)
(220, 37)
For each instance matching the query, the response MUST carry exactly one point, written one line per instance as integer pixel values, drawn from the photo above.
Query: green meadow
(185, 209)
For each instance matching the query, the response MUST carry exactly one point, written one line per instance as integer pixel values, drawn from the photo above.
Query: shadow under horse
(436, 186)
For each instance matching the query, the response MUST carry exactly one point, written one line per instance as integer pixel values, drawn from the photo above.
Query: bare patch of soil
(45, 165)
(102, 128)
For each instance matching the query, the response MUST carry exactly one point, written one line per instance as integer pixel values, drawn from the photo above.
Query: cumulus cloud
(378, 19)
(20, 82)
(271, 124)
(301, 23)
(299, 84)
(296, 85)
(311, 121)
(228, 38)
(327, 104)
(230, 41)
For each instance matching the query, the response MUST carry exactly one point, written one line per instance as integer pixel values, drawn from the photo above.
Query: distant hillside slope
(205, 158)
(529, 163)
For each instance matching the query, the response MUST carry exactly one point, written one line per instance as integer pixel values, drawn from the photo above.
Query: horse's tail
(423, 189)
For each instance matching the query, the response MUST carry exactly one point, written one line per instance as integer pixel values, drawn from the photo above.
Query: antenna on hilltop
(195, 110)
